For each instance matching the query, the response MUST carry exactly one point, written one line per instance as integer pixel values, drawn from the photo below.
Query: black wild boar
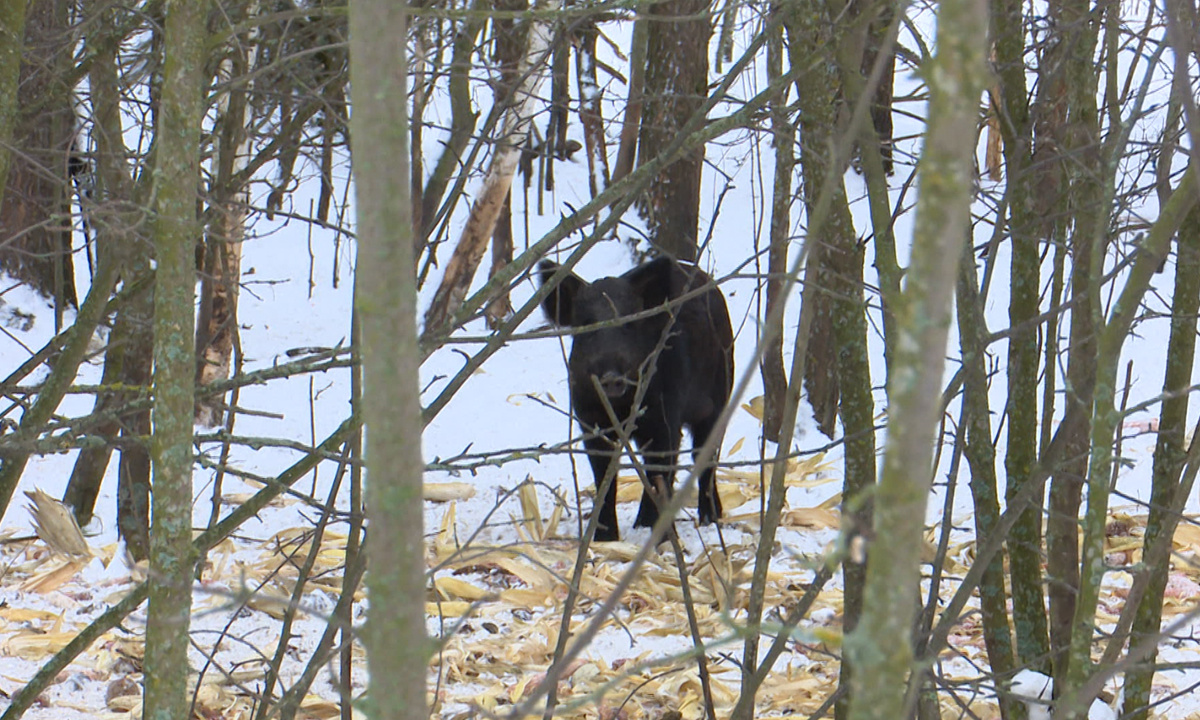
(687, 383)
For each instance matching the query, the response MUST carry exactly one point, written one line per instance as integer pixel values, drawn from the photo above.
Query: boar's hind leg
(710, 501)
(603, 456)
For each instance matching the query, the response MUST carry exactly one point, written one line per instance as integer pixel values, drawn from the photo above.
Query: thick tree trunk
(35, 227)
(176, 228)
(838, 378)
(676, 87)
(12, 42)
(397, 646)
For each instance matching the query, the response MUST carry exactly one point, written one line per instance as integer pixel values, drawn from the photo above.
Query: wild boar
(678, 361)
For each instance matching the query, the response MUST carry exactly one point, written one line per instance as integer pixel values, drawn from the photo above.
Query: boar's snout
(615, 384)
(616, 373)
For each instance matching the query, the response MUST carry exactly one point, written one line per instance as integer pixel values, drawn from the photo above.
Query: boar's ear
(656, 281)
(559, 304)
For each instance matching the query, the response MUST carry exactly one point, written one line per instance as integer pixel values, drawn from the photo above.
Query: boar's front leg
(603, 455)
(660, 453)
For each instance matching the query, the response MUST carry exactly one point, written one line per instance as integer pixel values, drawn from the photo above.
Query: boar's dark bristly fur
(687, 382)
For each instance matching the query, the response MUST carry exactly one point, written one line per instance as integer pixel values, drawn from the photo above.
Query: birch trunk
(216, 326)
(486, 210)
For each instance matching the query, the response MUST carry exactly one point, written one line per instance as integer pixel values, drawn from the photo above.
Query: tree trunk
(217, 325)
(133, 472)
(881, 645)
(676, 87)
(116, 215)
(12, 41)
(510, 48)
(1077, 695)
(775, 384)
(1170, 453)
(591, 99)
(838, 378)
(981, 458)
(126, 365)
(1025, 541)
(35, 227)
(176, 229)
(635, 102)
(397, 647)
(488, 205)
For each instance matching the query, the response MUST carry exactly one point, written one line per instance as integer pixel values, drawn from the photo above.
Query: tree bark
(981, 458)
(35, 235)
(488, 205)
(115, 210)
(1170, 453)
(175, 228)
(12, 41)
(881, 646)
(217, 324)
(676, 86)
(1077, 696)
(397, 647)
(1025, 541)
(775, 384)
(838, 378)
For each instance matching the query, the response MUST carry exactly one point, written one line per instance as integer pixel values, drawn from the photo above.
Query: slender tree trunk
(1025, 540)
(396, 642)
(176, 228)
(217, 325)
(126, 365)
(66, 367)
(115, 210)
(591, 98)
(635, 102)
(510, 39)
(133, 471)
(775, 384)
(981, 457)
(1077, 694)
(1170, 453)
(488, 204)
(462, 127)
(881, 645)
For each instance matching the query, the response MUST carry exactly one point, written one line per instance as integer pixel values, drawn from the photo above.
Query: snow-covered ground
(293, 298)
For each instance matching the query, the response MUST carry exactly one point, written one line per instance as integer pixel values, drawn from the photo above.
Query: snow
(294, 298)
